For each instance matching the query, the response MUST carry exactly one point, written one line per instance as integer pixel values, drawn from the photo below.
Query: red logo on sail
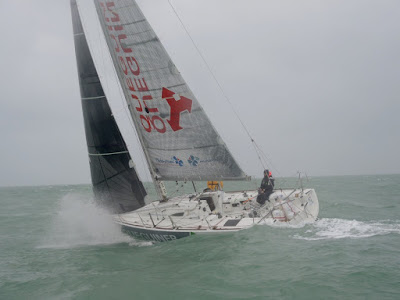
(177, 107)
(135, 83)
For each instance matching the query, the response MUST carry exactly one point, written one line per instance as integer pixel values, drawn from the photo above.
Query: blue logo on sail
(178, 161)
(193, 161)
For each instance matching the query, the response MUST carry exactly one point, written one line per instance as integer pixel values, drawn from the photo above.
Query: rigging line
(267, 160)
(258, 155)
(214, 77)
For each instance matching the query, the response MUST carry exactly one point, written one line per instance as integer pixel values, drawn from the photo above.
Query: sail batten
(179, 149)
(94, 98)
(178, 139)
(110, 153)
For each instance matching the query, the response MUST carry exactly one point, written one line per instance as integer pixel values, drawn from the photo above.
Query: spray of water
(80, 222)
(330, 228)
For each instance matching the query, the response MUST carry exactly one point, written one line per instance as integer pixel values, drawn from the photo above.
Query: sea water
(56, 243)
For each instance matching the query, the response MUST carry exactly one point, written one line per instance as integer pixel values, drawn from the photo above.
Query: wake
(330, 228)
(79, 222)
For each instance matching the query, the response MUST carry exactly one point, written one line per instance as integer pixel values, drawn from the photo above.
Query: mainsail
(114, 177)
(177, 137)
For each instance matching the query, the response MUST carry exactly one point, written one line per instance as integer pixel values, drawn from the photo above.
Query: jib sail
(114, 177)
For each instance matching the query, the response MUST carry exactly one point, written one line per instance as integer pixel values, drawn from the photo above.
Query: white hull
(218, 212)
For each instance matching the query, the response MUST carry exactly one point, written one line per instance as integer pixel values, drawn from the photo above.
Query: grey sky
(316, 83)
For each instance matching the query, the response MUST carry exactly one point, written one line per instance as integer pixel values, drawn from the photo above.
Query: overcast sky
(315, 82)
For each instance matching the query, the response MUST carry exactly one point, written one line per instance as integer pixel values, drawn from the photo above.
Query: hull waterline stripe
(105, 154)
(93, 98)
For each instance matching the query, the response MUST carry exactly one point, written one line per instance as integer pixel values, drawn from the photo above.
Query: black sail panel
(114, 178)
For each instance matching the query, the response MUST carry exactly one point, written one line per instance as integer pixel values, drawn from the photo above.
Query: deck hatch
(178, 214)
(232, 222)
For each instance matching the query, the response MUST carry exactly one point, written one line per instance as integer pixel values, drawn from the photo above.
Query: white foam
(80, 222)
(273, 223)
(339, 228)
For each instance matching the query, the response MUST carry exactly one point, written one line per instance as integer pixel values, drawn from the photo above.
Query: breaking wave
(328, 228)
(80, 222)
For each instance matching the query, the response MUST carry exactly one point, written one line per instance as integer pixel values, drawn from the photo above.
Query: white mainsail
(178, 139)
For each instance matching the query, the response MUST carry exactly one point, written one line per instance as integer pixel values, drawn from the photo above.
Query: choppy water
(55, 243)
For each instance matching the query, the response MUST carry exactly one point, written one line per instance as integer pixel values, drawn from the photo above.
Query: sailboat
(178, 140)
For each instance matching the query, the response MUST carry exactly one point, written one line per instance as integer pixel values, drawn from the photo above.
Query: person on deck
(266, 188)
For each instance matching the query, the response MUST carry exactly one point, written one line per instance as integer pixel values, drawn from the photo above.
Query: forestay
(179, 140)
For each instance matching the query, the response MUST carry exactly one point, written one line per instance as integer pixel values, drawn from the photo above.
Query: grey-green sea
(56, 243)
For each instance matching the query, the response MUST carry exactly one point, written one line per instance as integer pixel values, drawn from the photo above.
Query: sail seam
(140, 32)
(134, 22)
(142, 43)
(111, 177)
(168, 87)
(156, 69)
(106, 154)
(191, 148)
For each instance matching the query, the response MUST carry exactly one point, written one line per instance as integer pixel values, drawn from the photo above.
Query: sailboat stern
(294, 207)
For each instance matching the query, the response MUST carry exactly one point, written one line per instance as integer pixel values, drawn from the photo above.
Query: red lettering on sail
(123, 65)
(130, 62)
(130, 85)
(141, 85)
(149, 109)
(154, 122)
(138, 108)
(123, 37)
(134, 69)
(109, 5)
(104, 12)
(147, 124)
(115, 17)
(177, 107)
(157, 120)
(116, 42)
(115, 27)
(141, 100)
